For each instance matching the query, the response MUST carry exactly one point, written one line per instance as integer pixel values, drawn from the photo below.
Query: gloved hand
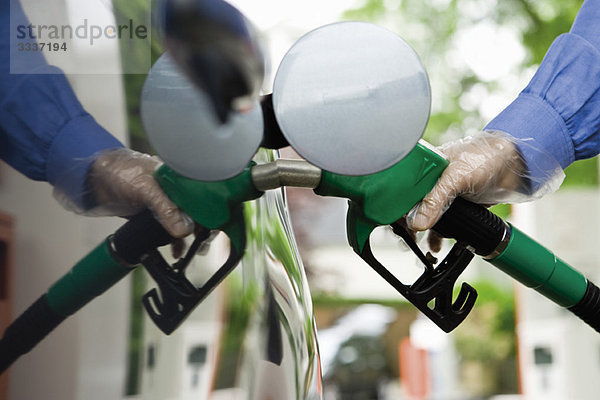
(487, 168)
(121, 182)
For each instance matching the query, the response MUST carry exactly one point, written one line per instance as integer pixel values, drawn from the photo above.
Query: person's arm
(41, 120)
(553, 122)
(560, 107)
(46, 134)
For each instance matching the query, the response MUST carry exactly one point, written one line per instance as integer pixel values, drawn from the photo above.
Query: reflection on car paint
(254, 337)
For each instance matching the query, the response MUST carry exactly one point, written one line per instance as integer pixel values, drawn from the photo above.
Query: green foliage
(487, 338)
(369, 11)
(541, 21)
(503, 301)
(583, 173)
(501, 210)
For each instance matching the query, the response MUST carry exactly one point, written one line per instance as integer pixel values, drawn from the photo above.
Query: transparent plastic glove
(488, 168)
(121, 182)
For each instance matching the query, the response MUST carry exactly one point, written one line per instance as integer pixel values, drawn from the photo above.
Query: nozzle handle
(473, 224)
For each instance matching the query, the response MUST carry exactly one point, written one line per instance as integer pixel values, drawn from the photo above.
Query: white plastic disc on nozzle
(182, 128)
(352, 98)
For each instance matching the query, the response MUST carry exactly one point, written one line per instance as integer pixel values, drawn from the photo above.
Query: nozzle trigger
(432, 292)
(176, 297)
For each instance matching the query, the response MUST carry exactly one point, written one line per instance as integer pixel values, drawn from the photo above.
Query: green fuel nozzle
(382, 199)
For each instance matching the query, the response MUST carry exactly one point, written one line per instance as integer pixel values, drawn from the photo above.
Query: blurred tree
(540, 22)
(479, 54)
(486, 342)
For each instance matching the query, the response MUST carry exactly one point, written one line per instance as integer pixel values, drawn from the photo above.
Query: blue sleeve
(560, 108)
(43, 127)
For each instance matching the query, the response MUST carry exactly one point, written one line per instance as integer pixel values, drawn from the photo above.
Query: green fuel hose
(521, 257)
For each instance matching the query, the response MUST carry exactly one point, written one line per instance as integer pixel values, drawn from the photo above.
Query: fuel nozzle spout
(218, 49)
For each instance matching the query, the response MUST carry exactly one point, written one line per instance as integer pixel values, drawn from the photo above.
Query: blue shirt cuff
(543, 137)
(70, 157)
